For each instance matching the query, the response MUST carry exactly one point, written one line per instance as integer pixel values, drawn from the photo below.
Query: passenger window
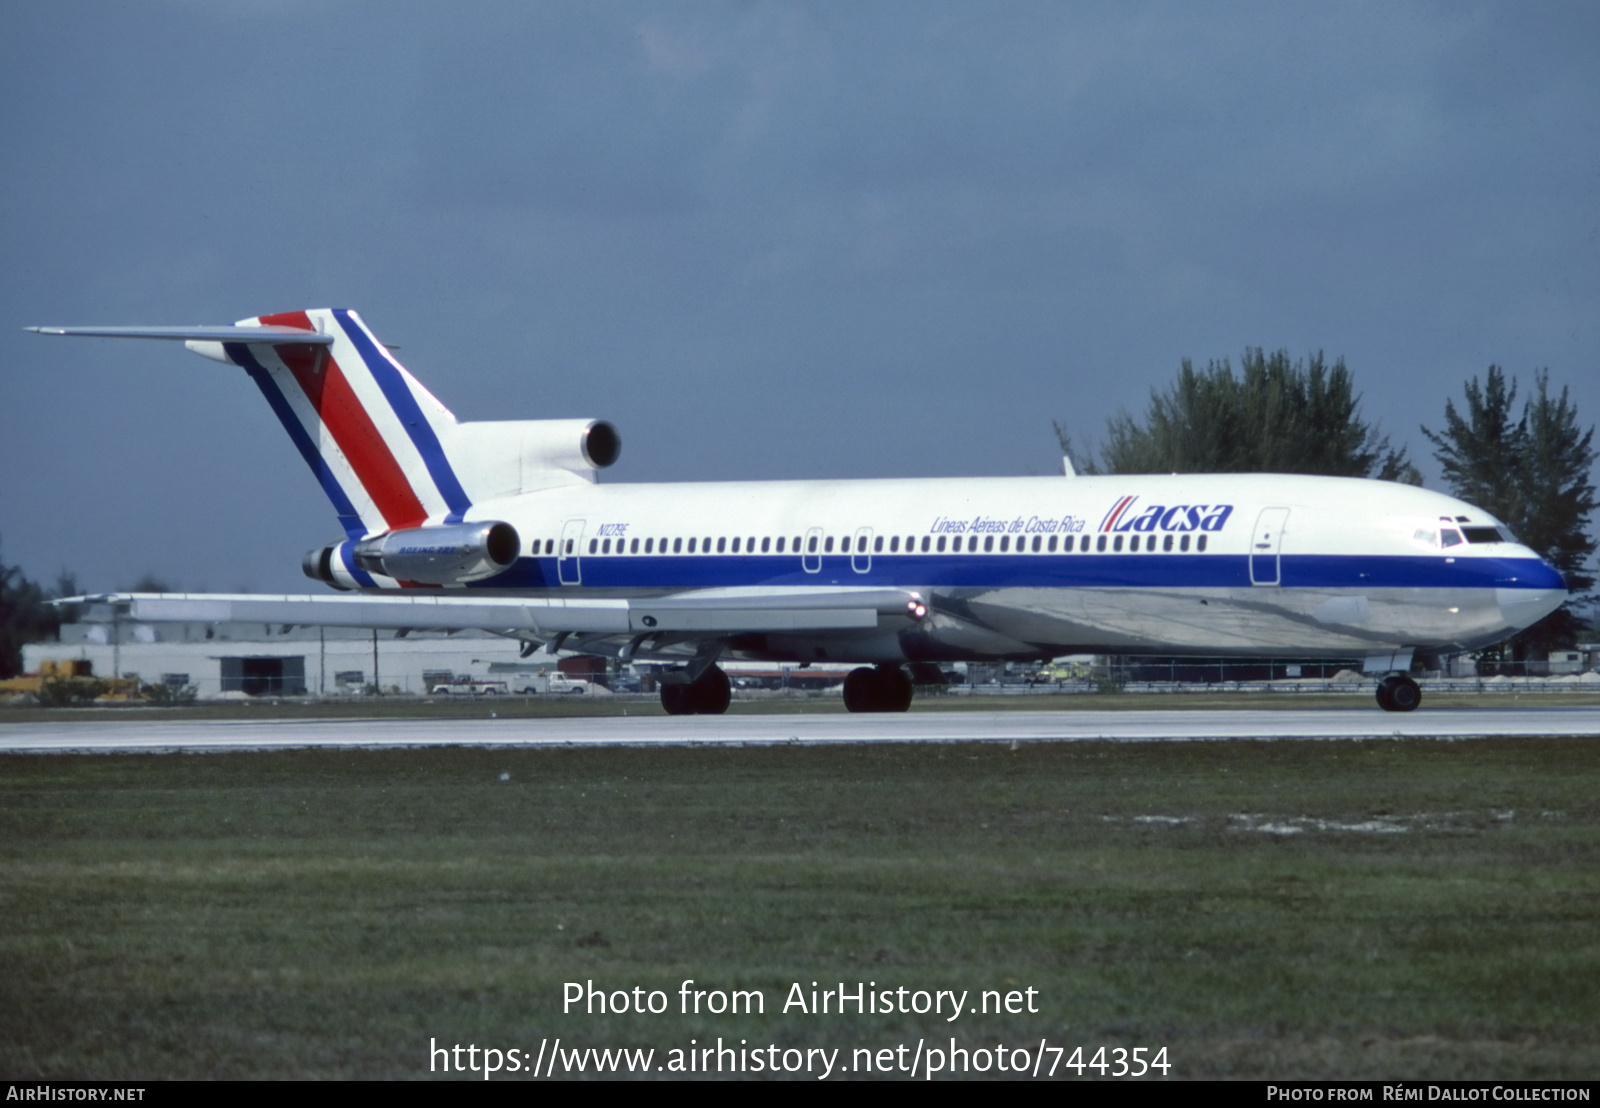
(1116, 544)
(594, 544)
(649, 545)
(722, 545)
(705, 545)
(735, 544)
(813, 544)
(1037, 539)
(569, 546)
(677, 546)
(780, 544)
(894, 545)
(925, 540)
(1166, 544)
(1200, 543)
(941, 544)
(691, 546)
(549, 546)
(988, 543)
(766, 544)
(1101, 545)
(605, 547)
(1183, 543)
(827, 545)
(877, 545)
(633, 547)
(1053, 544)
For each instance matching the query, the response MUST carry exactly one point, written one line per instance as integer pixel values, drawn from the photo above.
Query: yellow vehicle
(77, 677)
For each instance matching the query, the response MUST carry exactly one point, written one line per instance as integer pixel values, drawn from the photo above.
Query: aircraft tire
(863, 690)
(894, 688)
(676, 700)
(1404, 694)
(710, 695)
(1399, 693)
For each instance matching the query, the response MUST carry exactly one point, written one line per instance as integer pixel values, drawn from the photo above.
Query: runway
(1012, 726)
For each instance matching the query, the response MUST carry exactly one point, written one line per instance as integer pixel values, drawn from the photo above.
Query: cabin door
(811, 556)
(1265, 544)
(861, 554)
(569, 568)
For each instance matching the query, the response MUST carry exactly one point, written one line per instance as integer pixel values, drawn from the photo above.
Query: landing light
(917, 609)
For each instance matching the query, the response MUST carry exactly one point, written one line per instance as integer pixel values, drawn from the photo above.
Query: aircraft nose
(1540, 591)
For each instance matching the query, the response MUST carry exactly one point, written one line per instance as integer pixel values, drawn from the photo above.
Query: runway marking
(733, 730)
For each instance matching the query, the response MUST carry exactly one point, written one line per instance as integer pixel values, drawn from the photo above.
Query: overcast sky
(764, 239)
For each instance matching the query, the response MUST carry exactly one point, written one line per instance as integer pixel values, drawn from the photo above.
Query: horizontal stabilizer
(196, 334)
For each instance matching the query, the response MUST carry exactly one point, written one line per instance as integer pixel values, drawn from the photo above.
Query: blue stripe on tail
(346, 511)
(411, 418)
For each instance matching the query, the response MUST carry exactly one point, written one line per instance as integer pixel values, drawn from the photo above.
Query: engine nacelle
(449, 554)
(504, 458)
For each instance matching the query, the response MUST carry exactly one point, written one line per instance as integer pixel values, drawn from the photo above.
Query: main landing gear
(706, 696)
(884, 689)
(1398, 693)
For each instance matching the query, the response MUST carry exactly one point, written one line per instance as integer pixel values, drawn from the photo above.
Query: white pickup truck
(468, 685)
(536, 684)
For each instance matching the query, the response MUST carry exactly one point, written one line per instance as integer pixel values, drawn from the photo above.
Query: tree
(1535, 475)
(24, 618)
(1480, 453)
(1275, 416)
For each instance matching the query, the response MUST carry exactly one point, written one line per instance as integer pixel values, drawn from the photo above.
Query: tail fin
(386, 452)
(368, 429)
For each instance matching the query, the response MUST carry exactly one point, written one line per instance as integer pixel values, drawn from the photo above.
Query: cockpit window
(1449, 532)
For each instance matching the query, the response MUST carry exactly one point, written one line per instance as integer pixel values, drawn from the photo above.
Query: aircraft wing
(704, 612)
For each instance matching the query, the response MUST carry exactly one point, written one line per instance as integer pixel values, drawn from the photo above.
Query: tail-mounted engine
(496, 459)
(450, 554)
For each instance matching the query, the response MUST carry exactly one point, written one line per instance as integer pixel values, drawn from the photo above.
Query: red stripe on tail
(340, 410)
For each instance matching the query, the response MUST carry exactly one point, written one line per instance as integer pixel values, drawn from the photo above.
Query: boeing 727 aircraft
(503, 526)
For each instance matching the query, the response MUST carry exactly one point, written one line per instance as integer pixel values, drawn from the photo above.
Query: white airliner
(503, 526)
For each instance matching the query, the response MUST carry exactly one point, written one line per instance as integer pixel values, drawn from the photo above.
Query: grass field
(1261, 909)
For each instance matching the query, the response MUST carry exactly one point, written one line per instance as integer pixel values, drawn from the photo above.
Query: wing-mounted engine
(449, 554)
(516, 456)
